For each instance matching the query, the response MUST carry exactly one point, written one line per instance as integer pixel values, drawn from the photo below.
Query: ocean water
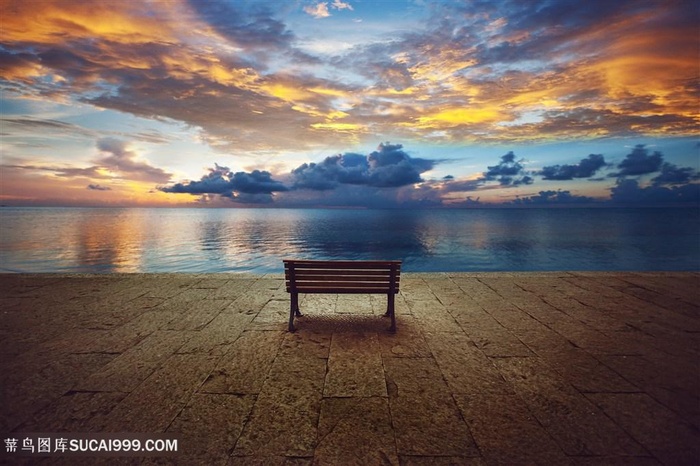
(107, 240)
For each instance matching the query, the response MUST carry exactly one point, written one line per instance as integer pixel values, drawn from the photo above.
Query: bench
(358, 277)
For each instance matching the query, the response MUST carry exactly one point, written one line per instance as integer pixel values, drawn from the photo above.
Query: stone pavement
(502, 368)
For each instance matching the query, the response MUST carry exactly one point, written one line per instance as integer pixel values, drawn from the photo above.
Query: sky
(349, 104)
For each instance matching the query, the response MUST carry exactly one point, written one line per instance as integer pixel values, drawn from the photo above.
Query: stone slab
(670, 439)
(209, 426)
(355, 366)
(578, 427)
(425, 417)
(506, 432)
(355, 431)
(243, 369)
(284, 419)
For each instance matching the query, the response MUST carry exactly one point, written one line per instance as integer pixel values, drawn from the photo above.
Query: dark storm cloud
(389, 166)
(586, 168)
(508, 172)
(673, 184)
(255, 182)
(639, 162)
(221, 180)
(628, 191)
(217, 181)
(674, 175)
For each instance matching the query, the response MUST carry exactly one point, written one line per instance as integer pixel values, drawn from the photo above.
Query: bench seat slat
(334, 265)
(342, 278)
(340, 285)
(344, 290)
(348, 272)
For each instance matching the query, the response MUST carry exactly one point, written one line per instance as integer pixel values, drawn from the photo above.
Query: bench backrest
(371, 277)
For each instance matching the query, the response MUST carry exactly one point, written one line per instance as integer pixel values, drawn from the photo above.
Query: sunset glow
(349, 104)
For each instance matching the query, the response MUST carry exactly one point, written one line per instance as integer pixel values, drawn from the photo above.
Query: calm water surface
(256, 240)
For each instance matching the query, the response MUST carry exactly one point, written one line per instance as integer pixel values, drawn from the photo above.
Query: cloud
(639, 162)
(472, 71)
(255, 182)
(674, 175)
(245, 187)
(508, 172)
(673, 184)
(553, 197)
(252, 29)
(123, 161)
(586, 168)
(628, 191)
(97, 187)
(340, 5)
(116, 159)
(387, 167)
(320, 10)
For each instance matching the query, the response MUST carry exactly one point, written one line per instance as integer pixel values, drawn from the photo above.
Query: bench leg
(293, 310)
(390, 311)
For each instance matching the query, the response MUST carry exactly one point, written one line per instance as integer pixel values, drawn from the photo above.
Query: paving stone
(268, 461)
(250, 301)
(168, 286)
(577, 425)
(193, 315)
(614, 461)
(506, 432)
(128, 370)
(578, 367)
(243, 369)
(306, 343)
(354, 304)
(316, 304)
(274, 315)
(125, 336)
(230, 289)
(407, 343)
(425, 418)
(355, 366)
(116, 312)
(209, 427)
(408, 460)
(669, 438)
(153, 405)
(434, 317)
(57, 377)
(217, 336)
(284, 420)
(670, 382)
(464, 367)
(498, 343)
(379, 304)
(355, 431)
(74, 412)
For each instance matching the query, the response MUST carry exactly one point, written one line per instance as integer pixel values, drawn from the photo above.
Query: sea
(197, 240)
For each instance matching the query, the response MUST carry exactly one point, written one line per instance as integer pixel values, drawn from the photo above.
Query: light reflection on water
(247, 240)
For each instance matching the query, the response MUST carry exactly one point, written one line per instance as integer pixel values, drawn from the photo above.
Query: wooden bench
(357, 277)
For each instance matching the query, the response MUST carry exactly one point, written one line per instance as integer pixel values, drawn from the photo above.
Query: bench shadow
(343, 323)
